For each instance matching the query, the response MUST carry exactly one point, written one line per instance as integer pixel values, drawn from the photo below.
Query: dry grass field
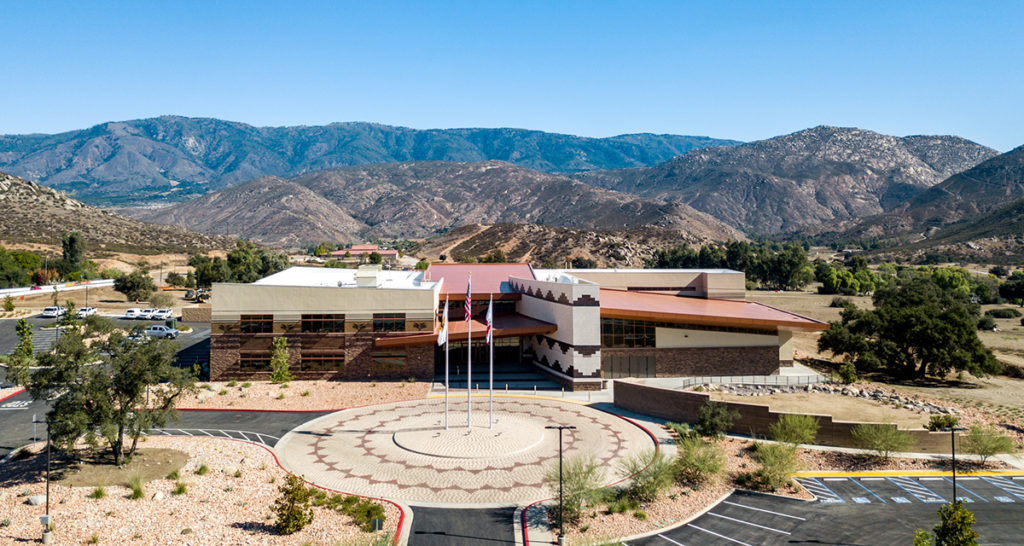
(841, 408)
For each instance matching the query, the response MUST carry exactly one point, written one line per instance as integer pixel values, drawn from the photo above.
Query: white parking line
(670, 540)
(718, 535)
(781, 532)
(763, 510)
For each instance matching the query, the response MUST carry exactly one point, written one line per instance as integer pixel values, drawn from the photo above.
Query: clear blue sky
(744, 70)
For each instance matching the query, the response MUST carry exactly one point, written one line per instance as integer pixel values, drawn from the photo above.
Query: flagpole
(469, 352)
(444, 322)
(490, 349)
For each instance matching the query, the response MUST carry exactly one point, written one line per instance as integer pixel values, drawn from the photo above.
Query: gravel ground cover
(301, 395)
(216, 508)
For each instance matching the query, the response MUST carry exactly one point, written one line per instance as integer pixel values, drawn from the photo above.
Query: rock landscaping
(874, 394)
(301, 395)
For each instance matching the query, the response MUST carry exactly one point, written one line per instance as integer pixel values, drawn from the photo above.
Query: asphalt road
(752, 519)
(462, 527)
(43, 338)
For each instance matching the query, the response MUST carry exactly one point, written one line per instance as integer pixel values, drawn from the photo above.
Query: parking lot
(867, 510)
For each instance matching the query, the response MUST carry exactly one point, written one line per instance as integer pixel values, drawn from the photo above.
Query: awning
(510, 325)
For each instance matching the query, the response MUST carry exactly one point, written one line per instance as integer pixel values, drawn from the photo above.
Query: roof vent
(368, 276)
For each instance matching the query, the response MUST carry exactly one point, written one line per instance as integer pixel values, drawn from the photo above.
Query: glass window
(325, 361)
(389, 322)
(323, 323)
(254, 362)
(257, 324)
(384, 361)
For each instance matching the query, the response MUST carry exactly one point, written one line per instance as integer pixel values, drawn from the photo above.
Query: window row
(325, 361)
(627, 333)
(321, 323)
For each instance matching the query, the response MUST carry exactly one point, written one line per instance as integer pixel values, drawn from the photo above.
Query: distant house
(359, 250)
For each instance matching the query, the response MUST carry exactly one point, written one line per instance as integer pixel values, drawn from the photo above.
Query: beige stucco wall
(724, 285)
(785, 345)
(289, 303)
(683, 338)
(577, 325)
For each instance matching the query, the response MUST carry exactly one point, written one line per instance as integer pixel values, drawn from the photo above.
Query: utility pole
(561, 506)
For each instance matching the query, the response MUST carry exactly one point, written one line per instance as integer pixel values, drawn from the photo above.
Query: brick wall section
(681, 406)
(358, 348)
(683, 362)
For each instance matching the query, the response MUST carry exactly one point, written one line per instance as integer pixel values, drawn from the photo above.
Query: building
(359, 250)
(579, 327)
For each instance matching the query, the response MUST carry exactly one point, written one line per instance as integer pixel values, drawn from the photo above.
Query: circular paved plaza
(402, 451)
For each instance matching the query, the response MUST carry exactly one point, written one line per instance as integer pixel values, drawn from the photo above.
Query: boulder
(158, 496)
(36, 500)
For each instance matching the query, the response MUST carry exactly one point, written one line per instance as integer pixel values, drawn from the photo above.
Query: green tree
(375, 258)
(207, 271)
(987, 442)
(105, 390)
(916, 329)
(8, 303)
(280, 373)
(175, 279)
(882, 439)
(955, 528)
(714, 418)
(136, 286)
(249, 263)
(73, 247)
(422, 265)
(582, 263)
(496, 256)
(293, 506)
(23, 357)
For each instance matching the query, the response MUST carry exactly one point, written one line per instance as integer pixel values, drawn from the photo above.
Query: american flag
(490, 321)
(469, 299)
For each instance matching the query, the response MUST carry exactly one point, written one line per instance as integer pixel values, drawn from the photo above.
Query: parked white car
(163, 314)
(54, 312)
(132, 313)
(159, 330)
(87, 311)
(146, 314)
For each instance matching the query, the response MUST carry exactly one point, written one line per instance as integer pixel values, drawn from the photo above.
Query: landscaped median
(305, 395)
(190, 491)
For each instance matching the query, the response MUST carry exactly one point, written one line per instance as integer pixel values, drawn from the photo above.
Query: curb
(889, 473)
(15, 393)
(680, 523)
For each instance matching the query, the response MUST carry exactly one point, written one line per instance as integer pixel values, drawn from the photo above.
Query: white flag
(442, 337)
(490, 321)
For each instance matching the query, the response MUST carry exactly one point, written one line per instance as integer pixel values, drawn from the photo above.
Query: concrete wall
(682, 337)
(785, 347)
(754, 420)
(288, 303)
(693, 283)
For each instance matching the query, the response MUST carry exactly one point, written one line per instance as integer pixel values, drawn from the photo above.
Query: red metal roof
(669, 308)
(504, 326)
(487, 278)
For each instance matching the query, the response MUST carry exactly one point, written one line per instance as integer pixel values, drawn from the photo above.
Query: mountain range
(38, 214)
(173, 158)
(418, 199)
(814, 179)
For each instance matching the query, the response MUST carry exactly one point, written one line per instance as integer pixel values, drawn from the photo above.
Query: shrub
(941, 421)
(848, 373)
(111, 273)
(986, 323)
(135, 483)
(160, 300)
(238, 473)
(1005, 312)
(98, 493)
(203, 469)
(232, 383)
(292, 507)
(95, 324)
(179, 488)
(794, 429)
(246, 385)
(841, 302)
(222, 392)
(581, 481)
(640, 515)
(173, 475)
(777, 462)
(986, 442)
(954, 528)
(881, 439)
(363, 512)
(698, 461)
(714, 418)
(279, 362)
(649, 474)
(8, 303)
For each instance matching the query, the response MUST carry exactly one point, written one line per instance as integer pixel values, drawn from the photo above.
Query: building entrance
(507, 356)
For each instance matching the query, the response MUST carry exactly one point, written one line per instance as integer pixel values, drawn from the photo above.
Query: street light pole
(561, 507)
(952, 445)
(47, 538)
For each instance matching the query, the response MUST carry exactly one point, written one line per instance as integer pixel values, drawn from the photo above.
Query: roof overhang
(513, 325)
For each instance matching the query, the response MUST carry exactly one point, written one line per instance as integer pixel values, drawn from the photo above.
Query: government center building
(577, 327)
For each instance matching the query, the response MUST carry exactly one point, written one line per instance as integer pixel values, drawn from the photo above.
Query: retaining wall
(681, 406)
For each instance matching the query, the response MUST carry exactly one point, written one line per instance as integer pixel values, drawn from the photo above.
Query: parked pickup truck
(159, 330)
(86, 312)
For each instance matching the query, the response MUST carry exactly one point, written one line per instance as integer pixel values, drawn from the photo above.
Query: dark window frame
(389, 322)
(256, 324)
(254, 361)
(326, 361)
(318, 323)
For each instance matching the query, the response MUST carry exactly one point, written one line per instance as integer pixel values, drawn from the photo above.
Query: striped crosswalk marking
(967, 499)
(916, 489)
(254, 437)
(820, 490)
(1011, 487)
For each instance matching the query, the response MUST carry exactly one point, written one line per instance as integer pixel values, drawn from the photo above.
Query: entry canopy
(510, 325)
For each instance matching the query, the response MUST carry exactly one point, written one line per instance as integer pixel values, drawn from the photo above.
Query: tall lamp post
(45, 520)
(952, 445)
(561, 513)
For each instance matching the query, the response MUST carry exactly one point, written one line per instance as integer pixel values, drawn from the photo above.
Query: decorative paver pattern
(401, 451)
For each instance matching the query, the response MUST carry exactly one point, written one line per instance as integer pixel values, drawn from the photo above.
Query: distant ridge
(173, 158)
(37, 214)
(419, 199)
(810, 180)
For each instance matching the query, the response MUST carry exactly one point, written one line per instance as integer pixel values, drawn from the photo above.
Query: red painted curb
(263, 410)
(657, 448)
(15, 393)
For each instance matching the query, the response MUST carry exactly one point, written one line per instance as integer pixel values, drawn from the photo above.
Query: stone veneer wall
(681, 362)
(755, 419)
(224, 350)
